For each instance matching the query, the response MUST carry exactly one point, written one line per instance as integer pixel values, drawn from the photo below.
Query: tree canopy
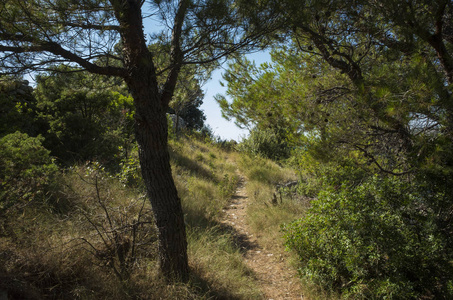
(37, 35)
(358, 95)
(363, 89)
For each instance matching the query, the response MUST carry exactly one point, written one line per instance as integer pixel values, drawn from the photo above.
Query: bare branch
(92, 26)
(58, 50)
(373, 160)
(176, 55)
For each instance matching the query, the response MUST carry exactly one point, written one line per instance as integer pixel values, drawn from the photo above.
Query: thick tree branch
(373, 160)
(56, 49)
(135, 51)
(176, 54)
(436, 41)
(92, 26)
(351, 68)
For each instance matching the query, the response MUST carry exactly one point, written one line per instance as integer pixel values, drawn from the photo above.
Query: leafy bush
(87, 117)
(130, 172)
(17, 107)
(316, 175)
(27, 169)
(267, 143)
(375, 240)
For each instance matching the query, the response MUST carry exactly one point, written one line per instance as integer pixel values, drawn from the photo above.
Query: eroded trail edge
(277, 279)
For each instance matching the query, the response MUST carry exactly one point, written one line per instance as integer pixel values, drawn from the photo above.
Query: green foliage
(318, 170)
(27, 170)
(375, 240)
(86, 117)
(17, 107)
(360, 108)
(266, 143)
(130, 174)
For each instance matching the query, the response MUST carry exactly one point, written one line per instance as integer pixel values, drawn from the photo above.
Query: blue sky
(227, 130)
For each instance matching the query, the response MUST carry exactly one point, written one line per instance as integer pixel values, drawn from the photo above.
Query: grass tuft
(77, 245)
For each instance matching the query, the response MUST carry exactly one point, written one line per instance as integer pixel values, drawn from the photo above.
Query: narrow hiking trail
(277, 279)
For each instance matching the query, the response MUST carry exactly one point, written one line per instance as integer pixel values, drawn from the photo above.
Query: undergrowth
(93, 237)
(270, 205)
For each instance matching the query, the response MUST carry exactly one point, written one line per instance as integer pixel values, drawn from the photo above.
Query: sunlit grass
(204, 178)
(58, 248)
(266, 216)
(216, 259)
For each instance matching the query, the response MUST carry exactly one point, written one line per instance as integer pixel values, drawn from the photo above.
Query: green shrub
(130, 172)
(375, 240)
(27, 170)
(84, 117)
(17, 107)
(316, 174)
(266, 143)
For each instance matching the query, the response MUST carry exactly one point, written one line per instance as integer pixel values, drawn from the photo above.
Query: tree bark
(151, 134)
(151, 130)
(40, 38)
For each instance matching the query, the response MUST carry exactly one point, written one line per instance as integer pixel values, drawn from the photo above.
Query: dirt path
(277, 279)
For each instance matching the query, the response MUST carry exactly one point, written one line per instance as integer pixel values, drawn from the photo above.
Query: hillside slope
(93, 238)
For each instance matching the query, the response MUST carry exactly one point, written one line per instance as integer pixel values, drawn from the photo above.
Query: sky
(226, 130)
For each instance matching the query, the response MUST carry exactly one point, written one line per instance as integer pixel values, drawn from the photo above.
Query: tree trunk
(151, 133)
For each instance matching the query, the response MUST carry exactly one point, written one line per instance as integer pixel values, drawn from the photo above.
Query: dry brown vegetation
(93, 237)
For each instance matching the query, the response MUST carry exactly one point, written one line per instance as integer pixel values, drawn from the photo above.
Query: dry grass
(67, 248)
(217, 259)
(264, 215)
(205, 179)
